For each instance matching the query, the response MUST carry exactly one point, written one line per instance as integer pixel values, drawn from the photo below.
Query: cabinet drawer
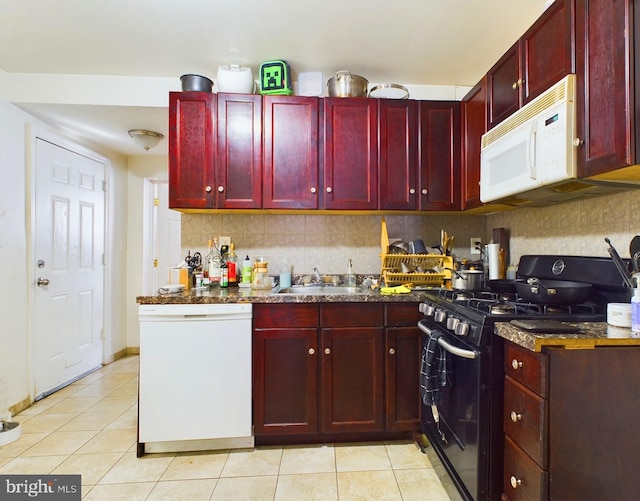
(525, 420)
(523, 479)
(352, 315)
(285, 315)
(527, 367)
(403, 315)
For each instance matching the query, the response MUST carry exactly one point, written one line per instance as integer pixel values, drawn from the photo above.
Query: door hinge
(104, 185)
(103, 260)
(156, 202)
(155, 263)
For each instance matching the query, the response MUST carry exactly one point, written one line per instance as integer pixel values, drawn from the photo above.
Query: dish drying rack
(434, 266)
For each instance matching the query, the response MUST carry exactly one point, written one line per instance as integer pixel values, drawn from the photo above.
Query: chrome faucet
(316, 275)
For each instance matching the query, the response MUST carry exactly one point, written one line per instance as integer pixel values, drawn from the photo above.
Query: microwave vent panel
(564, 90)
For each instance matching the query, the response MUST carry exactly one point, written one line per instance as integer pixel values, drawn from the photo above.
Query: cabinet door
(440, 155)
(474, 125)
(239, 152)
(398, 133)
(350, 168)
(191, 149)
(604, 88)
(352, 379)
(290, 152)
(285, 385)
(403, 351)
(502, 86)
(546, 49)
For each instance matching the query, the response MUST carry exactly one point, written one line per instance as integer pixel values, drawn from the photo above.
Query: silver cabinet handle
(515, 482)
(329, 190)
(392, 351)
(220, 189)
(412, 191)
(313, 190)
(207, 189)
(424, 191)
(327, 351)
(311, 351)
(516, 364)
(515, 417)
(42, 282)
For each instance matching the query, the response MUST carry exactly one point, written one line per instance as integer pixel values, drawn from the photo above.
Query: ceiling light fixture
(146, 139)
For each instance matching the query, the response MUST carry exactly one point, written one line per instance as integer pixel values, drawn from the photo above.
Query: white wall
(15, 362)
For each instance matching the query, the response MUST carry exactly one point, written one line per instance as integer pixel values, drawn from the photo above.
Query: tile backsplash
(323, 241)
(328, 241)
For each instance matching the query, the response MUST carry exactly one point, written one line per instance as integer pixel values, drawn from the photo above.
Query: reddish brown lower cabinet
(403, 351)
(191, 149)
(569, 423)
(333, 369)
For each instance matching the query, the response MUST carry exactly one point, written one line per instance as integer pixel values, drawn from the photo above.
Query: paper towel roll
(493, 250)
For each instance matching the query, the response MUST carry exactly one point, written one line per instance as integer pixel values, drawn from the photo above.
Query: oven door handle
(454, 350)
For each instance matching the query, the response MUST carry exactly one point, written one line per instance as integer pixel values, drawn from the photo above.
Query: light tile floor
(89, 428)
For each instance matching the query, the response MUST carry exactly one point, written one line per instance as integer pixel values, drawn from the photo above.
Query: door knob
(42, 282)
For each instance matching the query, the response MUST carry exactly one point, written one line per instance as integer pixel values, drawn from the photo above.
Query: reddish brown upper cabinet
(291, 167)
(540, 58)
(474, 125)
(605, 90)
(238, 159)
(440, 155)
(350, 165)
(191, 149)
(398, 149)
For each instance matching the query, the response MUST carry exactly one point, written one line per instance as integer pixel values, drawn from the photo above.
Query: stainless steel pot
(467, 280)
(344, 84)
(196, 83)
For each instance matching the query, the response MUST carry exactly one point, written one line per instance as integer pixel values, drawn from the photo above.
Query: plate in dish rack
(171, 288)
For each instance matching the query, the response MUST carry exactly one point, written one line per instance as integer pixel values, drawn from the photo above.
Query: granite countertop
(591, 335)
(248, 295)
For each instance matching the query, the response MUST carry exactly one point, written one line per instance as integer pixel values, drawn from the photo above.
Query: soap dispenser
(350, 277)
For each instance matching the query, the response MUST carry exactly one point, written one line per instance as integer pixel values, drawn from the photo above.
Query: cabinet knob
(220, 189)
(515, 482)
(392, 351)
(327, 351)
(311, 351)
(515, 417)
(313, 189)
(208, 189)
(516, 364)
(412, 191)
(329, 190)
(578, 142)
(514, 85)
(424, 191)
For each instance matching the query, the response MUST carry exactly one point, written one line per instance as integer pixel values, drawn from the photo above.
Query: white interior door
(161, 248)
(68, 312)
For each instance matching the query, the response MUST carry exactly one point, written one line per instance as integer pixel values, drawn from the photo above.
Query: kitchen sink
(322, 290)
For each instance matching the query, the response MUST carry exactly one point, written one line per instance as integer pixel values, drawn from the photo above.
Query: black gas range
(464, 427)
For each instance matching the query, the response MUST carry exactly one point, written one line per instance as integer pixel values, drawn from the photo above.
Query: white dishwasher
(195, 377)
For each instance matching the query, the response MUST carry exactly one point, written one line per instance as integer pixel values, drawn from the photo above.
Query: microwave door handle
(531, 165)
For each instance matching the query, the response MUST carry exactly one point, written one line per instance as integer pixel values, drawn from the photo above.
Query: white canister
(493, 250)
(235, 78)
(619, 314)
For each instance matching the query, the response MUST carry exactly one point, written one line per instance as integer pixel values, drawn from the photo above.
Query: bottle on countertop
(635, 307)
(247, 269)
(214, 265)
(350, 277)
(232, 263)
(224, 274)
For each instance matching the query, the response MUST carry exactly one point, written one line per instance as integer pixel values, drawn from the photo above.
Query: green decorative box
(275, 78)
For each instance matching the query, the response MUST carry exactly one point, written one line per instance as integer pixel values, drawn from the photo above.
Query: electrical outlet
(476, 244)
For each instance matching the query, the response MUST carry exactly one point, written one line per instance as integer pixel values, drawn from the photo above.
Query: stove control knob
(462, 329)
(427, 309)
(440, 316)
(452, 323)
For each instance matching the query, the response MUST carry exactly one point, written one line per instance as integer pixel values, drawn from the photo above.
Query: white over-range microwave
(532, 148)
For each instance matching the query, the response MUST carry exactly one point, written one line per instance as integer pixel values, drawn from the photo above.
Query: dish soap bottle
(635, 307)
(350, 277)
